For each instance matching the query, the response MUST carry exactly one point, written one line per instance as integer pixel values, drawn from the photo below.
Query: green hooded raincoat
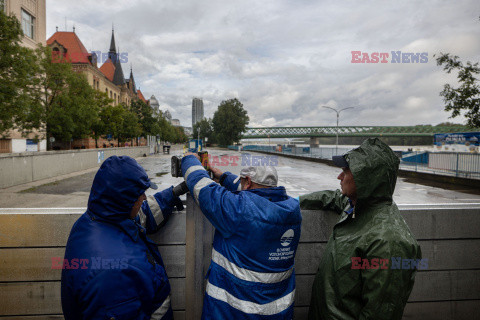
(374, 230)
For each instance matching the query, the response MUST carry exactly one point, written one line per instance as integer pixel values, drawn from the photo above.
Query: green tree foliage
(66, 106)
(148, 121)
(170, 133)
(40, 91)
(465, 98)
(131, 127)
(206, 130)
(180, 136)
(17, 74)
(229, 122)
(119, 122)
(98, 127)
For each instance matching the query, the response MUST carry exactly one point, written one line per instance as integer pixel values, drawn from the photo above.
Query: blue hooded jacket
(251, 275)
(112, 270)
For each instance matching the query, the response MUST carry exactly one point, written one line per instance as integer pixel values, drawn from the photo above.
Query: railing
(447, 234)
(464, 165)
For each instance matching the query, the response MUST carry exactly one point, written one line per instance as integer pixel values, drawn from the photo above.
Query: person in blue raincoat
(112, 270)
(257, 229)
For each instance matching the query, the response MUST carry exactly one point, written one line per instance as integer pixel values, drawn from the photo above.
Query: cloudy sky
(282, 59)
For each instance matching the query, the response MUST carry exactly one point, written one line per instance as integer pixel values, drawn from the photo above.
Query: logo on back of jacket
(284, 251)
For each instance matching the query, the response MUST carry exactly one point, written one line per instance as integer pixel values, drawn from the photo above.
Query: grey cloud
(283, 59)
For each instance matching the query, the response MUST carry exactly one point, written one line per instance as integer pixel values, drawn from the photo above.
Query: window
(110, 94)
(28, 24)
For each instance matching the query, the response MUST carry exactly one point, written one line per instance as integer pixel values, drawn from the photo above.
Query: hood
(117, 185)
(374, 167)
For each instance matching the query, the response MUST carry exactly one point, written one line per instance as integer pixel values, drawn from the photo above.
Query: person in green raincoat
(368, 268)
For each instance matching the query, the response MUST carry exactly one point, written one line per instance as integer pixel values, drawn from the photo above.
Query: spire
(112, 54)
(132, 81)
(118, 77)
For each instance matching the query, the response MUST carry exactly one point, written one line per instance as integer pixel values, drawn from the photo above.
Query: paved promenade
(298, 176)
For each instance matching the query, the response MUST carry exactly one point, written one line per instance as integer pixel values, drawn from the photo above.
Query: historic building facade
(108, 78)
(32, 17)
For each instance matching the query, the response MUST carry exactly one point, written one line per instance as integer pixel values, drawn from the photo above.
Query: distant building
(197, 110)
(187, 130)
(168, 116)
(154, 104)
(108, 78)
(175, 123)
(32, 17)
(141, 97)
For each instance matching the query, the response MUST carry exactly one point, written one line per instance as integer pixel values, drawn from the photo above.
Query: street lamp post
(198, 137)
(338, 116)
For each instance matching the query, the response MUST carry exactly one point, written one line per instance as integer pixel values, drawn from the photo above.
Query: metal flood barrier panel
(449, 236)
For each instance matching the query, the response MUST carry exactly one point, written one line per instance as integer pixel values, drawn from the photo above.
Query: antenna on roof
(56, 28)
(73, 28)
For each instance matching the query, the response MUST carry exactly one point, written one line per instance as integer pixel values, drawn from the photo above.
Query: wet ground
(298, 177)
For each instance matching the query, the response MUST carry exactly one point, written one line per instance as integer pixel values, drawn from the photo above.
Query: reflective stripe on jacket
(251, 275)
(123, 276)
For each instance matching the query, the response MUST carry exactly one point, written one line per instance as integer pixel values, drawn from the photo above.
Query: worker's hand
(193, 154)
(217, 173)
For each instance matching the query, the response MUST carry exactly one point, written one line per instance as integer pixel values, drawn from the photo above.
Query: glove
(167, 201)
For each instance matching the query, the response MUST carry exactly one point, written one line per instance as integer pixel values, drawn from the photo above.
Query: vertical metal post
(198, 253)
(456, 170)
(336, 145)
(336, 131)
(416, 161)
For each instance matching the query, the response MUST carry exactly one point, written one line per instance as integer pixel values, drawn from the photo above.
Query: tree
(17, 75)
(229, 122)
(74, 112)
(149, 124)
(98, 127)
(62, 101)
(180, 135)
(206, 129)
(131, 127)
(467, 96)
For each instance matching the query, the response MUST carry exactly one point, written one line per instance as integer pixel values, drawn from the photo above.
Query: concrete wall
(26, 167)
(30, 288)
(448, 236)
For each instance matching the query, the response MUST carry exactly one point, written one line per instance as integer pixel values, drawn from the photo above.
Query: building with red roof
(108, 78)
(141, 97)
